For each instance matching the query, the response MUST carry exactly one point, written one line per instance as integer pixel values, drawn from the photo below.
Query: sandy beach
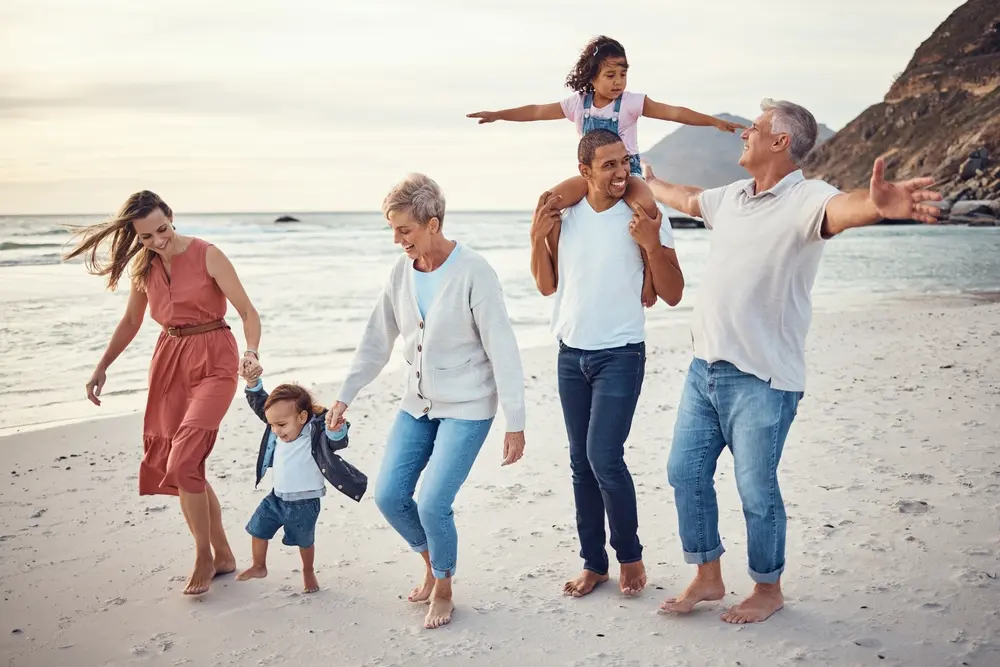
(891, 477)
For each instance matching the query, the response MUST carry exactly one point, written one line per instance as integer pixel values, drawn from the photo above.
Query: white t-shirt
(628, 116)
(754, 306)
(598, 301)
(296, 474)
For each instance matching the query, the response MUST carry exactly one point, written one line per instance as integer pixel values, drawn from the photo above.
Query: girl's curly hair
(588, 66)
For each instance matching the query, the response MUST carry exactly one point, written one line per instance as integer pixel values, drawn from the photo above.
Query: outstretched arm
(899, 200)
(523, 114)
(683, 198)
(685, 116)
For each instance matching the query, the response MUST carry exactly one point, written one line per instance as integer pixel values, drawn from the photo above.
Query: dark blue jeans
(599, 390)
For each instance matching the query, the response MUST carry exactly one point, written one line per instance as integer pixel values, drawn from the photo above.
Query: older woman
(185, 282)
(462, 360)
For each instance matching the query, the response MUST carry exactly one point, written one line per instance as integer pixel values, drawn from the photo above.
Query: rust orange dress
(192, 379)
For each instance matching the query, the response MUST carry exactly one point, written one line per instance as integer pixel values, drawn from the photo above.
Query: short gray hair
(795, 121)
(417, 194)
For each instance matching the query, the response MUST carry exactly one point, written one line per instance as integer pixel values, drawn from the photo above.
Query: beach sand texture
(891, 477)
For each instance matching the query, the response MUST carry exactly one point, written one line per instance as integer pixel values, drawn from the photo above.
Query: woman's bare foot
(422, 593)
(310, 581)
(584, 584)
(252, 572)
(760, 606)
(224, 563)
(706, 587)
(439, 613)
(632, 578)
(201, 578)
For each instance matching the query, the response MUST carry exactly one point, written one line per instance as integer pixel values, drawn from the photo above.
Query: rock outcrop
(941, 117)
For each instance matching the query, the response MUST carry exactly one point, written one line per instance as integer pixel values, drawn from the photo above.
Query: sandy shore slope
(891, 476)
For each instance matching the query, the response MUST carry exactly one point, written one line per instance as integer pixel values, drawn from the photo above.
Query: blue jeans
(447, 448)
(720, 405)
(599, 390)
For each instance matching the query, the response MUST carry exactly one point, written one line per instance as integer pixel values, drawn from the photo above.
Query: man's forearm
(847, 211)
(681, 198)
(542, 267)
(668, 280)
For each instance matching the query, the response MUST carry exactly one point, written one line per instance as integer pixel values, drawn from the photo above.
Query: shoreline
(680, 318)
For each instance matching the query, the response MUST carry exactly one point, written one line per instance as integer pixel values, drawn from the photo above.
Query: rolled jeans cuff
(702, 557)
(769, 578)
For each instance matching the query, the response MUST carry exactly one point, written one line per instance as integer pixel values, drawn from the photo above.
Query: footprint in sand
(912, 506)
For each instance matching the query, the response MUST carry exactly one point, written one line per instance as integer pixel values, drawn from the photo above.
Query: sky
(321, 105)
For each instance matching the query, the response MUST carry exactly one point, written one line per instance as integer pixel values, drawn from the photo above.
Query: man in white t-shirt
(749, 329)
(590, 259)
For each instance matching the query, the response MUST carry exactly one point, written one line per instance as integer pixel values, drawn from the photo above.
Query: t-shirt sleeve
(572, 106)
(815, 196)
(666, 232)
(632, 105)
(709, 202)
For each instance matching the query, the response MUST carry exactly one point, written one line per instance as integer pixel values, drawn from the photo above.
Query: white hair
(418, 195)
(795, 121)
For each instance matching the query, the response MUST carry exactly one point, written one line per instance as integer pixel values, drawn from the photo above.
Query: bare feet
(762, 603)
(224, 563)
(584, 584)
(632, 578)
(201, 578)
(252, 572)
(422, 593)
(706, 587)
(310, 581)
(439, 613)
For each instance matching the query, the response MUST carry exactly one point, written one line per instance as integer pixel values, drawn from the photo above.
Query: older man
(590, 260)
(749, 329)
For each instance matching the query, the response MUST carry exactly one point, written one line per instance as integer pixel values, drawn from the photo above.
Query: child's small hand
(335, 416)
(485, 116)
(726, 126)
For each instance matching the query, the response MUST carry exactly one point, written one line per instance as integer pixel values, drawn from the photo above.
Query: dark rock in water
(286, 218)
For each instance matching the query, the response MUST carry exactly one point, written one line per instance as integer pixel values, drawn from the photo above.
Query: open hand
(335, 415)
(513, 447)
(94, 386)
(485, 116)
(903, 200)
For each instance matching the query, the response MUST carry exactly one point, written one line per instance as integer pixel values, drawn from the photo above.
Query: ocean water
(314, 283)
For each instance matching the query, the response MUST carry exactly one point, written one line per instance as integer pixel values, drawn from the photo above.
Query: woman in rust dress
(192, 376)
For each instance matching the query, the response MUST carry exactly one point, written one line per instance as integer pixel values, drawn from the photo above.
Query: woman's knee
(434, 507)
(389, 498)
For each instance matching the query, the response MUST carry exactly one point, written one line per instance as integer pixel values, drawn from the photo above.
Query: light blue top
(427, 283)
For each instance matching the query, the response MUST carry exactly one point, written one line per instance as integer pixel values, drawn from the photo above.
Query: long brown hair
(126, 247)
(298, 395)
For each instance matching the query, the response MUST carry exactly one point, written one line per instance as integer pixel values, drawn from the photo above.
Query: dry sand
(891, 475)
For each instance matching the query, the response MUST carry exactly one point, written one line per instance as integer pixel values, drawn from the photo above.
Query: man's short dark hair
(592, 141)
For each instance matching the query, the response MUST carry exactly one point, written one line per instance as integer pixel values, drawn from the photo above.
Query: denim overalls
(590, 124)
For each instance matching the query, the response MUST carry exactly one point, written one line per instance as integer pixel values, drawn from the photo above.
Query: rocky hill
(940, 117)
(703, 156)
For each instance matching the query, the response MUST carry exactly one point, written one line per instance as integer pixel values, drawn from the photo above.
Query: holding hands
(250, 368)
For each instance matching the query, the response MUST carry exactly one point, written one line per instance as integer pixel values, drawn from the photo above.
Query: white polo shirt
(598, 301)
(754, 306)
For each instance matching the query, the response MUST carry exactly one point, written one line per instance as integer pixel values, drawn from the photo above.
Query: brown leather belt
(180, 332)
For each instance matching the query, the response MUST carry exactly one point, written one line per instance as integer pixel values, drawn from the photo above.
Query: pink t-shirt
(628, 116)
